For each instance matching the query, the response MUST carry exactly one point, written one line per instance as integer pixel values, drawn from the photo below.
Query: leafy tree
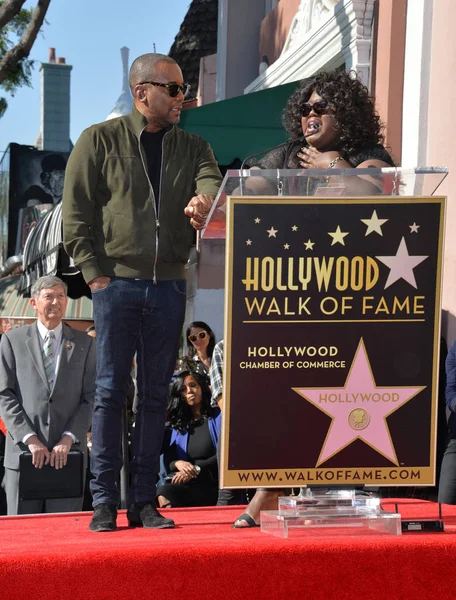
(18, 30)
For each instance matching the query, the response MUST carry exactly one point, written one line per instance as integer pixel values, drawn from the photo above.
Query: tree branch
(23, 47)
(8, 10)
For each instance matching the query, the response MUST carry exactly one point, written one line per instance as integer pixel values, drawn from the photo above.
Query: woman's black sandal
(248, 519)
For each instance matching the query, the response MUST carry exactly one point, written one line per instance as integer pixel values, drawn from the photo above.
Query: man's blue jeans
(133, 316)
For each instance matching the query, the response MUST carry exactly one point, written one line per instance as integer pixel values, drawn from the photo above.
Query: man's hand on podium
(197, 209)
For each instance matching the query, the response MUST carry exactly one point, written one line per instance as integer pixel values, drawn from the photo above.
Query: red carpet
(55, 557)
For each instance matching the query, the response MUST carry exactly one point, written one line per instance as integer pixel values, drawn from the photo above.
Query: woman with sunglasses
(341, 127)
(201, 345)
(190, 446)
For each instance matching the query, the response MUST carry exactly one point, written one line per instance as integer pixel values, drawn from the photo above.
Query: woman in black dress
(337, 116)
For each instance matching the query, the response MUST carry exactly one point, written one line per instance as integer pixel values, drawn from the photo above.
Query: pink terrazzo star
(359, 409)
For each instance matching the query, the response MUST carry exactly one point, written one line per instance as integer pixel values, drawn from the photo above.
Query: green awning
(13, 305)
(241, 126)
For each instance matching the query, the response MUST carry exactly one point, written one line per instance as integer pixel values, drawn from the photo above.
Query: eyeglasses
(201, 336)
(173, 88)
(320, 107)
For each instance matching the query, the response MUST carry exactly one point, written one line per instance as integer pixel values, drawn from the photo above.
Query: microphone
(291, 143)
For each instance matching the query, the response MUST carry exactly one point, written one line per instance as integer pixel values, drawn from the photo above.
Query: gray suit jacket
(27, 405)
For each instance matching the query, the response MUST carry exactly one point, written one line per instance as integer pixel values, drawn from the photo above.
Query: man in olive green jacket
(136, 189)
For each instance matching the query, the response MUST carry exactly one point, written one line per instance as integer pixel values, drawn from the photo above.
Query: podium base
(357, 521)
(327, 499)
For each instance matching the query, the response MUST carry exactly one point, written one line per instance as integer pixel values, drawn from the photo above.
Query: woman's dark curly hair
(179, 415)
(354, 111)
(201, 325)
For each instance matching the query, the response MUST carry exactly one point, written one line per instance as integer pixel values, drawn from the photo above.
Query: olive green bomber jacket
(110, 226)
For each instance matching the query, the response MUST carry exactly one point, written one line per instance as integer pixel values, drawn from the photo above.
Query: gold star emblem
(374, 224)
(272, 232)
(309, 245)
(286, 246)
(414, 228)
(338, 236)
(257, 220)
(294, 228)
(249, 242)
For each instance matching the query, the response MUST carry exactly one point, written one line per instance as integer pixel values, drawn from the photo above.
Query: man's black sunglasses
(320, 107)
(173, 88)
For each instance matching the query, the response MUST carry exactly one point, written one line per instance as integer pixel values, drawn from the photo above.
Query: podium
(332, 325)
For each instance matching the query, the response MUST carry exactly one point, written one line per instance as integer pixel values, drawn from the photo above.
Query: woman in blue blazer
(190, 445)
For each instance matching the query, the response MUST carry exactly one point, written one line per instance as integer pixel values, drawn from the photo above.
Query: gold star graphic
(249, 242)
(309, 245)
(414, 228)
(294, 228)
(286, 246)
(272, 232)
(374, 224)
(257, 220)
(338, 236)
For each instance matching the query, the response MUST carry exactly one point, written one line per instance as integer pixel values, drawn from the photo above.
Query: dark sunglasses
(320, 107)
(201, 335)
(173, 88)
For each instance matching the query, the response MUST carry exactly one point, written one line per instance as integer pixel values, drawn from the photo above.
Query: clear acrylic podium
(312, 513)
(422, 181)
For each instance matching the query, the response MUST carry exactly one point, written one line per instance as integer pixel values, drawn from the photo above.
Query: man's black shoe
(104, 518)
(146, 515)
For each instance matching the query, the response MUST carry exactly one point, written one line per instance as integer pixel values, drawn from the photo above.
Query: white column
(416, 82)
(237, 45)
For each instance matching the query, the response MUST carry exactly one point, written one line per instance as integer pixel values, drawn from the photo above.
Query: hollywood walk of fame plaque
(332, 317)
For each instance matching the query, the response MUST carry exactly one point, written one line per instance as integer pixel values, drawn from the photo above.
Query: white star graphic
(414, 228)
(338, 236)
(272, 232)
(374, 224)
(249, 242)
(257, 220)
(309, 245)
(294, 228)
(401, 265)
(286, 246)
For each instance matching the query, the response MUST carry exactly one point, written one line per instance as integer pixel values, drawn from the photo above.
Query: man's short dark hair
(143, 67)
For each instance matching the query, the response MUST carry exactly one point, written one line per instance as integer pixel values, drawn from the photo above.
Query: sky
(89, 34)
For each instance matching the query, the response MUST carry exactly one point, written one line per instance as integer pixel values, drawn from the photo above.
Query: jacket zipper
(157, 222)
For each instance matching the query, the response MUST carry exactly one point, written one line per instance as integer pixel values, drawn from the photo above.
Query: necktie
(48, 352)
